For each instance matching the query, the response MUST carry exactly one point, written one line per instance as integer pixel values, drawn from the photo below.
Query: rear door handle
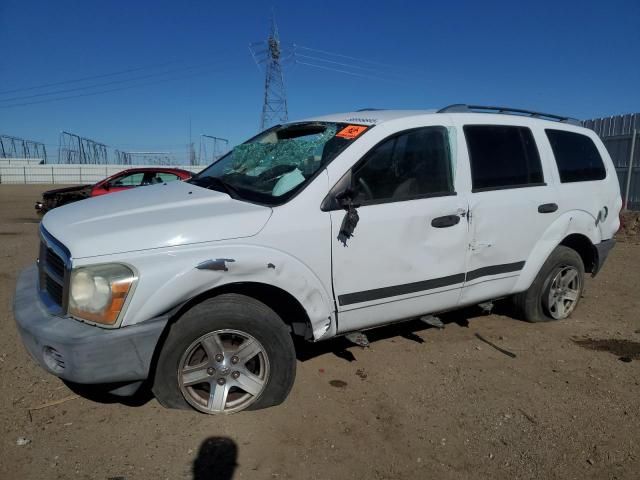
(547, 208)
(446, 221)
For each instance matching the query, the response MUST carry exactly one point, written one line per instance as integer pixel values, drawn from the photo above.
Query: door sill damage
(358, 338)
(432, 321)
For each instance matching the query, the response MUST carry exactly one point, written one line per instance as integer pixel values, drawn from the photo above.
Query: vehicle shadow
(101, 394)
(216, 460)
(340, 346)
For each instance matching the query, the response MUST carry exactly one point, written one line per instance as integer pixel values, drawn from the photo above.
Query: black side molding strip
(424, 285)
(494, 270)
(395, 290)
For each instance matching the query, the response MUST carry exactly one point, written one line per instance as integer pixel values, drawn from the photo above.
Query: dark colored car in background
(124, 180)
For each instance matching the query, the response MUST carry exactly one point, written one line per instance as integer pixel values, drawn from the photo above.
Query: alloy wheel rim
(564, 292)
(223, 371)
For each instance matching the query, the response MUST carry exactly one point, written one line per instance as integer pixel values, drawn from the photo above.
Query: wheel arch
(201, 272)
(585, 248)
(288, 308)
(575, 229)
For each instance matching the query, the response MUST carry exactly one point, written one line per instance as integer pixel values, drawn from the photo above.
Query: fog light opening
(53, 359)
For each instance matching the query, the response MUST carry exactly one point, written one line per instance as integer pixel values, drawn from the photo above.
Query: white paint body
(165, 231)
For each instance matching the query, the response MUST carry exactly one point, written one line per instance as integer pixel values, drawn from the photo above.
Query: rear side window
(577, 156)
(167, 177)
(502, 156)
(131, 180)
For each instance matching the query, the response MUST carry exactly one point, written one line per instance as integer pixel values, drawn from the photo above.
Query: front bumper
(79, 352)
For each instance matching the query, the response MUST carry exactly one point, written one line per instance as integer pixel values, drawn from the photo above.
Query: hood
(164, 215)
(78, 188)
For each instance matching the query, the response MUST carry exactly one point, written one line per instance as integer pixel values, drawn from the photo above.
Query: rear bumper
(79, 352)
(603, 248)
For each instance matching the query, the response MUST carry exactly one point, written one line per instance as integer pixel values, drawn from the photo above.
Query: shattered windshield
(276, 164)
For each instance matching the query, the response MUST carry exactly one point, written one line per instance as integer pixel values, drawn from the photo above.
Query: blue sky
(577, 58)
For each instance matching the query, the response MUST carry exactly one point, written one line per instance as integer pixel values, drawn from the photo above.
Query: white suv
(316, 228)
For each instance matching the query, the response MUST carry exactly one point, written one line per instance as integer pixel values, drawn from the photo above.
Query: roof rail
(369, 109)
(461, 108)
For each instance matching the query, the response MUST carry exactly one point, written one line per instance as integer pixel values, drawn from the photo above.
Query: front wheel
(226, 354)
(556, 290)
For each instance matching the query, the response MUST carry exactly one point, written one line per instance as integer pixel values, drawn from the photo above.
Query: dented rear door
(512, 203)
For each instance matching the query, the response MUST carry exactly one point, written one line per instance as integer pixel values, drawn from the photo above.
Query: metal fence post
(24, 173)
(630, 170)
(53, 180)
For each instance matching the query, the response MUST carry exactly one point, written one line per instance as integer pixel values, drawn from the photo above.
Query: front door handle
(446, 221)
(547, 208)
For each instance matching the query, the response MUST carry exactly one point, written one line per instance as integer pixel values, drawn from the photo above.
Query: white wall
(66, 174)
(20, 161)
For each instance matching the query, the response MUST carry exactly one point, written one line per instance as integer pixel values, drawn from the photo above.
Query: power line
(372, 72)
(82, 79)
(343, 56)
(114, 82)
(355, 74)
(144, 84)
(300, 55)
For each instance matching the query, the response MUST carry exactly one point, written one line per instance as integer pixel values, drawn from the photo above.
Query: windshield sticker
(351, 131)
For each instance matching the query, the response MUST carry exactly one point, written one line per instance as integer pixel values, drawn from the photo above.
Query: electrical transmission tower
(122, 157)
(211, 148)
(73, 148)
(14, 147)
(270, 54)
(144, 158)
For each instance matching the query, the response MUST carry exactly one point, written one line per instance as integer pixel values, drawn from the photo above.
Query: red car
(134, 177)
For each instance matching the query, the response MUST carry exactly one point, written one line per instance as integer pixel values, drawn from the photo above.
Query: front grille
(54, 289)
(54, 262)
(54, 269)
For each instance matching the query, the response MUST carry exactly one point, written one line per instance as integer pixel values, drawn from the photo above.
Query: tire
(543, 301)
(198, 359)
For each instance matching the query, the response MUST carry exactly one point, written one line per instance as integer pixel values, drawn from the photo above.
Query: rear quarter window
(502, 156)
(167, 177)
(577, 156)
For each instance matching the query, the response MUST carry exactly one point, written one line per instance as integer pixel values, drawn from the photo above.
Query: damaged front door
(400, 236)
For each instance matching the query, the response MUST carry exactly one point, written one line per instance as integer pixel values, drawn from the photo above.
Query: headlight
(98, 292)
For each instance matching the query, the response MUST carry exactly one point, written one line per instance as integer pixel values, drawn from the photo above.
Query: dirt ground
(419, 403)
(629, 227)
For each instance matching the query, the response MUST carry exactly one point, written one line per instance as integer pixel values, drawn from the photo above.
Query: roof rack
(461, 108)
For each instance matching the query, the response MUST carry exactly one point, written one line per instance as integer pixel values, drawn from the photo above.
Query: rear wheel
(227, 354)
(556, 290)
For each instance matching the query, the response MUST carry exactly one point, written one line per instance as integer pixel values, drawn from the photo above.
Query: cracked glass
(279, 162)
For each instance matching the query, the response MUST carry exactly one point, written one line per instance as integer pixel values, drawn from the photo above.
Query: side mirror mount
(341, 196)
(345, 198)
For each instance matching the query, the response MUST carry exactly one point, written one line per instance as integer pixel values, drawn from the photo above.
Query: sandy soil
(629, 227)
(419, 403)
